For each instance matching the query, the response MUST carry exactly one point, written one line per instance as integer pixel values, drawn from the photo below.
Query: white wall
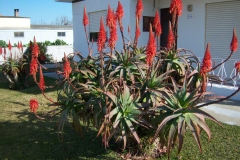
(40, 34)
(56, 51)
(12, 22)
(80, 42)
(191, 32)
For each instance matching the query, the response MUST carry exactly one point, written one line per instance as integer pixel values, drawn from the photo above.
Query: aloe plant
(124, 93)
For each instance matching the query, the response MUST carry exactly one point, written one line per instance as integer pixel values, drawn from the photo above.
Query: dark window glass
(18, 34)
(146, 23)
(61, 34)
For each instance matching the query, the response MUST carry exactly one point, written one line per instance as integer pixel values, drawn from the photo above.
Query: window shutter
(94, 20)
(221, 18)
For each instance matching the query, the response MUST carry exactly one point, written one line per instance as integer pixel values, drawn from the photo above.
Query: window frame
(61, 34)
(18, 34)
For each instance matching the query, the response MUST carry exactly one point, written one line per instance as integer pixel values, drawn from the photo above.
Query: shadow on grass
(33, 88)
(30, 138)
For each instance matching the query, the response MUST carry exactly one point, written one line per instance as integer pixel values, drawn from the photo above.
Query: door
(166, 17)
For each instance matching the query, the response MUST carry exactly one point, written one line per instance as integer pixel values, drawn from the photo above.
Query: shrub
(138, 93)
(3, 43)
(16, 69)
(43, 57)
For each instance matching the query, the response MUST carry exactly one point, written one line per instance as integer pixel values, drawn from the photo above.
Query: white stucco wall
(80, 42)
(56, 51)
(129, 6)
(191, 31)
(40, 34)
(12, 22)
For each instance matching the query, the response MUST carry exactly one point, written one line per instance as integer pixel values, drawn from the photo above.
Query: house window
(18, 34)
(94, 36)
(146, 23)
(61, 34)
(94, 23)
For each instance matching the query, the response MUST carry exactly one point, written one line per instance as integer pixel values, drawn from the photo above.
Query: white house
(16, 28)
(202, 22)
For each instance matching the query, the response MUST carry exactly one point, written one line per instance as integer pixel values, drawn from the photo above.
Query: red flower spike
(119, 11)
(113, 37)
(85, 17)
(157, 25)
(9, 46)
(67, 67)
(176, 7)
(41, 83)
(4, 53)
(207, 62)
(237, 66)
(139, 9)
(101, 36)
(234, 43)
(110, 17)
(151, 47)
(35, 49)
(171, 38)
(18, 46)
(33, 67)
(137, 32)
(120, 14)
(21, 46)
(33, 103)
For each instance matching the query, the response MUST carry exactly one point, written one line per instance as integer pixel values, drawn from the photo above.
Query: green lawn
(22, 136)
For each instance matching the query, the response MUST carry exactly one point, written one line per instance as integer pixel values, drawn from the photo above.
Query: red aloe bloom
(120, 14)
(157, 24)
(207, 62)
(151, 47)
(33, 103)
(67, 67)
(234, 43)
(4, 53)
(21, 46)
(35, 49)
(9, 46)
(18, 46)
(237, 66)
(139, 9)
(41, 83)
(137, 32)
(33, 67)
(113, 38)
(101, 36)
(171, 38)
(176, 7)
(119, 11)
(110, 18)
(85, 17)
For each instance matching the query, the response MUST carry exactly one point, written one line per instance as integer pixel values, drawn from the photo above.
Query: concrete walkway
(226, 112)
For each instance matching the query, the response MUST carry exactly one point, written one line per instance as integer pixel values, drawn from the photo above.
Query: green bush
(141, 97)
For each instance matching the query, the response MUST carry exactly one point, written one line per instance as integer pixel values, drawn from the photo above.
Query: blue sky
(39, 11)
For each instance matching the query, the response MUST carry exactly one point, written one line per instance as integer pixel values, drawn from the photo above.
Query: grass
(23, 136)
